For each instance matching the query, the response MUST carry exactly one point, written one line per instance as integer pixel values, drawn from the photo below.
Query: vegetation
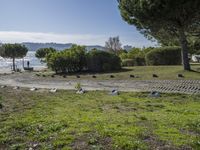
(77, 59)
(101, 61)
(150, 18)
(43, 52)
(97, 120)
(140, 73)
(69, 60)
(164, 56)
(135, 57)
(195, 47)
(113, 45)
(13, 51)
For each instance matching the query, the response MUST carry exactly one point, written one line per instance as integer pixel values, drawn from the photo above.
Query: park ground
(97, 120)
(130, 79)
(140, 73)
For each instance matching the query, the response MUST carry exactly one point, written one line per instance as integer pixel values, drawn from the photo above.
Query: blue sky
(89, 22)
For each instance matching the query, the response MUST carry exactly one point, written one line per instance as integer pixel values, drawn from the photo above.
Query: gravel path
(29, 80)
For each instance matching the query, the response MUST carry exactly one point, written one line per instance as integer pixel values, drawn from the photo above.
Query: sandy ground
(30, 80)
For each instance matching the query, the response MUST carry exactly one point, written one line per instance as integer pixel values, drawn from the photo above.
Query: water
(34, 62)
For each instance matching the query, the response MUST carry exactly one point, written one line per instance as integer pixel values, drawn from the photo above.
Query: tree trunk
(185, 49)
(13, 63)
(23, 63)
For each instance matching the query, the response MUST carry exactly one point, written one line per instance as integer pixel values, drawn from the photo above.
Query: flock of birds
(54, 90)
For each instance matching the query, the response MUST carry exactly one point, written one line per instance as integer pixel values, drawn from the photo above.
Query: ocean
(34, 62)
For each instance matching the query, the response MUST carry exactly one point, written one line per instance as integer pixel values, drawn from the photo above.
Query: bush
(137, 61)
(127, 62)
(43, 52)
(164, 56)
(69, 60)
(98, 61)
(76, 59)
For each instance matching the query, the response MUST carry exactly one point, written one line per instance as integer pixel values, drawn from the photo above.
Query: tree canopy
(113, 44)
(13, 51)
(43, 52)
(164, 20)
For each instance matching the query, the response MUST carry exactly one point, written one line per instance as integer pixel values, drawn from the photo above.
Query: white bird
(33, 89)
(81, 91)
(54, 90)
(3, 86)
(16, 88)
(115, 92)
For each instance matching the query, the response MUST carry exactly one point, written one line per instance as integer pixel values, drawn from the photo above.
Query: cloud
(82, 39)
(18, 37)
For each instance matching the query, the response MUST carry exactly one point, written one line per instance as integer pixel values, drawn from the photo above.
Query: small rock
(155, 76)
(180, 76)
(111, 76)
(78, 76)
(1, 106)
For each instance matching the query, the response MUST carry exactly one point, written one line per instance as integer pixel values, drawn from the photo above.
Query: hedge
(164, 56)
(76, 59)
(137, 61)
(101, 61)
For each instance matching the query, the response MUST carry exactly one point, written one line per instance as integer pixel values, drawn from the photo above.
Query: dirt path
(29, 80)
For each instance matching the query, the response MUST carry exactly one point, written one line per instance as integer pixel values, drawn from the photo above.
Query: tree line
(170, 22)
(77, 59)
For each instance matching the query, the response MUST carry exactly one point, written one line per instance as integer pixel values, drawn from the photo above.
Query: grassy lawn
(97, 120)
(141, 73)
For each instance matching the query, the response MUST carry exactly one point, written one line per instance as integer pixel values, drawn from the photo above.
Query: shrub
(43, 52)
(76, 59)
(98, 61)
(137, 61)
(164, 56)
(127, 62)
(69, 60)
(78, 86)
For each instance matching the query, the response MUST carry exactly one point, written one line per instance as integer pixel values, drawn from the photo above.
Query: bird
(33, 89)
(54, 90)
(16, 88)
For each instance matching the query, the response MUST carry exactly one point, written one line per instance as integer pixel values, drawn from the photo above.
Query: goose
(54, 90)
(33, 89)
(114, 92)
(16, 88)
(3, 86)
(81, 91)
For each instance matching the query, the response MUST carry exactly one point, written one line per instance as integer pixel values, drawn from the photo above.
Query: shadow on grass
(92, 73)
(195, 71)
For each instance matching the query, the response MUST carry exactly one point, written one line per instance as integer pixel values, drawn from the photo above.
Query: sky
(85, 22)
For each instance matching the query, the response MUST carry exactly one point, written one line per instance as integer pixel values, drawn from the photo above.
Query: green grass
(143, 72)
(97, 120)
